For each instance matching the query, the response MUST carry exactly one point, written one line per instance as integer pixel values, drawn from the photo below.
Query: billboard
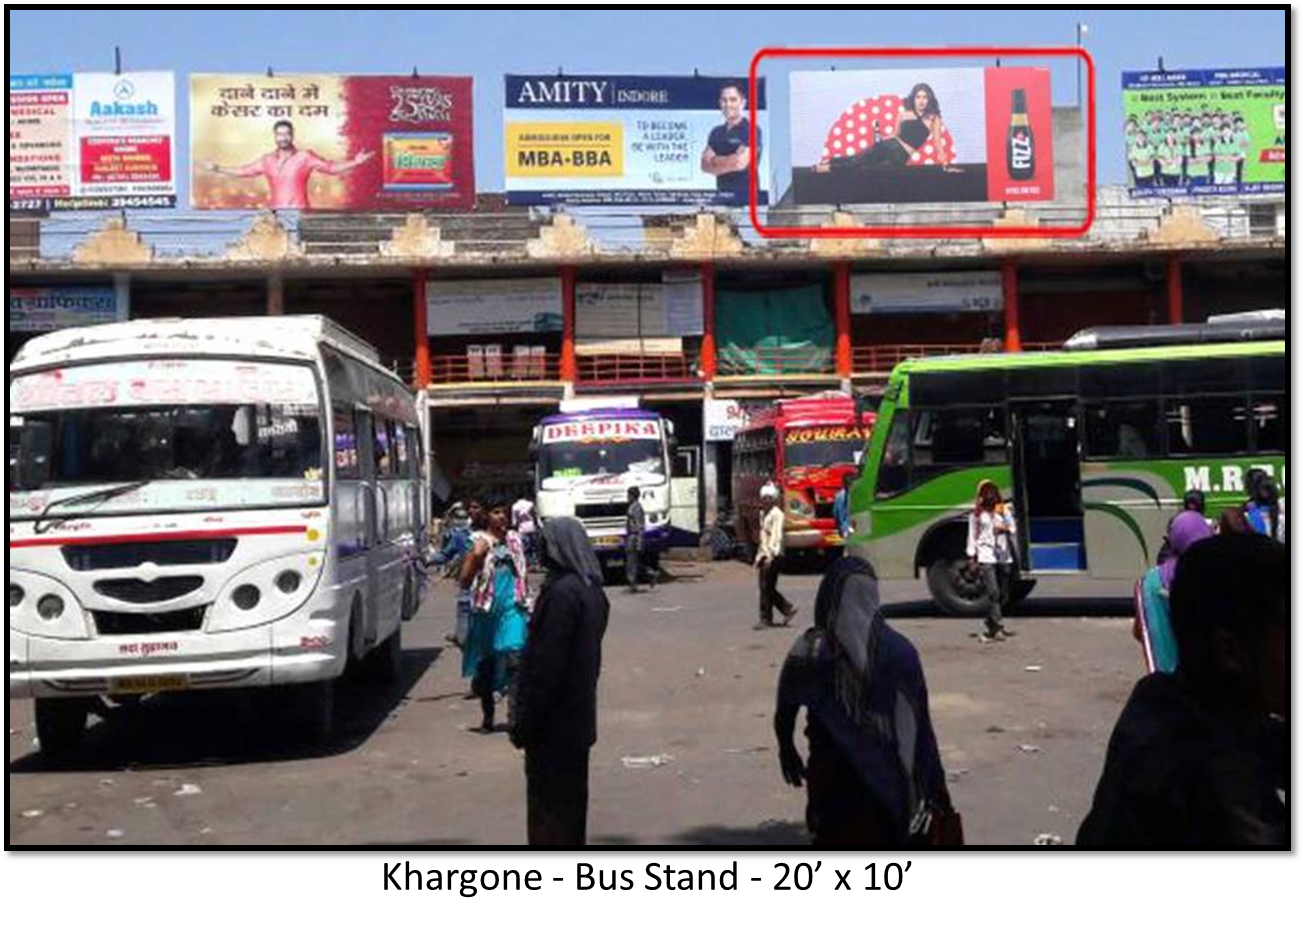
(944, 135)
(92, 141)
(529, 305)
(50, 308)
(330, 141)
(967, 291)
(1207, 132)
(632, 141)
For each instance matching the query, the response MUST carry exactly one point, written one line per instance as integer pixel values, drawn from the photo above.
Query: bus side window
(1268, 417)
(952, 438)
(346, 443)
(894, 469)
(1207, 425)
(1122, 430)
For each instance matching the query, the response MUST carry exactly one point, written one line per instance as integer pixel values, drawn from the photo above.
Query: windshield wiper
(102, 495)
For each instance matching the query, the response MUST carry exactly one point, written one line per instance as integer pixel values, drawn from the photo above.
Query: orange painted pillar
(842, 317)
(1176, 313)
(568, 367)
(420, 332)
(708, 361)
(1010, 296)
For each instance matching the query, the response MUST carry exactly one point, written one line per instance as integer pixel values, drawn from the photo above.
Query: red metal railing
(636, 368)
(503, 368)
(880, 359)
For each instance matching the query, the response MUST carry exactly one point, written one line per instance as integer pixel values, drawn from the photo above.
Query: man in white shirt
(769, 557)
(991, 550)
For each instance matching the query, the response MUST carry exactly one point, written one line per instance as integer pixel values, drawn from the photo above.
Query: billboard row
(1207, 132)
(922, 135)
(630, 141)
(330, 141)
(92, 141)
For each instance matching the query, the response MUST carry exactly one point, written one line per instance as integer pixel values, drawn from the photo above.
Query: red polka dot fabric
(854, 131)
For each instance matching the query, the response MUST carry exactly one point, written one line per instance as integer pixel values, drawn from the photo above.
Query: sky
(486, 44)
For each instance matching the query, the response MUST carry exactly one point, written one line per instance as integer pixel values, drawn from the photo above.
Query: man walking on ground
(635, 524)
(769, 558)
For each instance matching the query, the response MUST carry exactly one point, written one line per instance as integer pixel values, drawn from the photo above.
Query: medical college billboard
(1206, 132)
(918, 135)
(330, 141)
(92, 141)
(626, 140)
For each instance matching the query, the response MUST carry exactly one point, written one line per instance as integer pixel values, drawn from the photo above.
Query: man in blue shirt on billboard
(728, 154)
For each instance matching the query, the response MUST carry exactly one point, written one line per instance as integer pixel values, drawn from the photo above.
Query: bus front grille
(93, 556)
(138, 591)
(126, 623)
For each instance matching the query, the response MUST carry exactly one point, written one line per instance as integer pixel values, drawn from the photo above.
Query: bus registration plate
(148, 684)
(609, 542)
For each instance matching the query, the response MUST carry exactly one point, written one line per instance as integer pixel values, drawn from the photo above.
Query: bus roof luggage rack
(1248, 327)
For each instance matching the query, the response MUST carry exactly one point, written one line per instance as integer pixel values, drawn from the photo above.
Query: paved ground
(1022, 725)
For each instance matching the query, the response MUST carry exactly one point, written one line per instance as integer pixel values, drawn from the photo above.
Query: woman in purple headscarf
(1152, 625)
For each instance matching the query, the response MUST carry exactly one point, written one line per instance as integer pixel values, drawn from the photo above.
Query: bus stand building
(498, 314)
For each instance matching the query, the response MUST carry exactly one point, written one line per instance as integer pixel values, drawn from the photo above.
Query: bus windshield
(193, 455)
(823, 447)
(574, 459)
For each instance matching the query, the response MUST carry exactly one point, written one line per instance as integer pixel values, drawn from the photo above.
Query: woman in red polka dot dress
(913, 135)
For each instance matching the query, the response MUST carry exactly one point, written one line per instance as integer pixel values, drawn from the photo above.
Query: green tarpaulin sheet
(771, 332)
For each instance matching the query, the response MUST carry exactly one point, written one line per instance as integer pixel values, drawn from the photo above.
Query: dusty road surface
(1022, 725)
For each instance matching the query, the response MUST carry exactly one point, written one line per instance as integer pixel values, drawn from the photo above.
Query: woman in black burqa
(557, 686)
(874, 777)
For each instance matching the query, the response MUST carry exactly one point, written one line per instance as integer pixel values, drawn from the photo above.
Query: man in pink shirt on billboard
(287, 169)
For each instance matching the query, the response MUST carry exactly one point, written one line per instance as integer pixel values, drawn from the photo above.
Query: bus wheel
(60, 726)
(956, 588)
(311, 713)
(384, 664)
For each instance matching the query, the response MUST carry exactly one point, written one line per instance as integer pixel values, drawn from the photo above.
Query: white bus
(204, 504)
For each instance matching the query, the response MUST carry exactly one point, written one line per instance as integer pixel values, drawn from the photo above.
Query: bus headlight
(49, 608)
(266, 592)
(288, 581)
(16, 595)
(246, 597)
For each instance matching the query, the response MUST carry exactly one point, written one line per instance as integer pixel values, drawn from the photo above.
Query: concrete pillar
(420, 332)
(1010, 296)
(1173, 275)
(568, 366)
(708, 361)
(275, 294)
(122, 295)
(842, 319)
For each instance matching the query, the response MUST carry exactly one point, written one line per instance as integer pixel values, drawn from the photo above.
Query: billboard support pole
(117, 60)
(420, 331)
(1010, 297)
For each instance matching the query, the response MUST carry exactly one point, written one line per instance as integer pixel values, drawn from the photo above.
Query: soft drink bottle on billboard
(1020, 151)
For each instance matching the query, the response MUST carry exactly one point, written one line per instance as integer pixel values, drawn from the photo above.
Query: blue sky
(488, 43)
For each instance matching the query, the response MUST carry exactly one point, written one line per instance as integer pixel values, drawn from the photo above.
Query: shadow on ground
(1031, 608)
(769, 833)
(228, 727)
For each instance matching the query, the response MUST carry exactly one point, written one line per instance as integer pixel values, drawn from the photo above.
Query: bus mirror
(865, 405)
(31, 469)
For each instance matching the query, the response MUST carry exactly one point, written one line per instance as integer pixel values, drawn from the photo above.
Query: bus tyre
(60, 726)
(384, 664)
(311, 713)
(956, 587)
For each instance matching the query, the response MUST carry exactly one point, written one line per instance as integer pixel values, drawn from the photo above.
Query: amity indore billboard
(330, 141)
(625, 140)
(92, 141)
(943, 135)
(1205, 133)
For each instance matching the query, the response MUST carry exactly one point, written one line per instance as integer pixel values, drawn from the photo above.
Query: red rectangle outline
(925, 231)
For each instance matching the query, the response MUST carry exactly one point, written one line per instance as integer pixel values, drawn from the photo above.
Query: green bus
(1093, 448)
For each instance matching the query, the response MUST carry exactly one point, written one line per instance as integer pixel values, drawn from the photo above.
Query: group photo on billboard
(626, 140)
(92, 141)
(1205, 132)
(330, 141)
(921, 135)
